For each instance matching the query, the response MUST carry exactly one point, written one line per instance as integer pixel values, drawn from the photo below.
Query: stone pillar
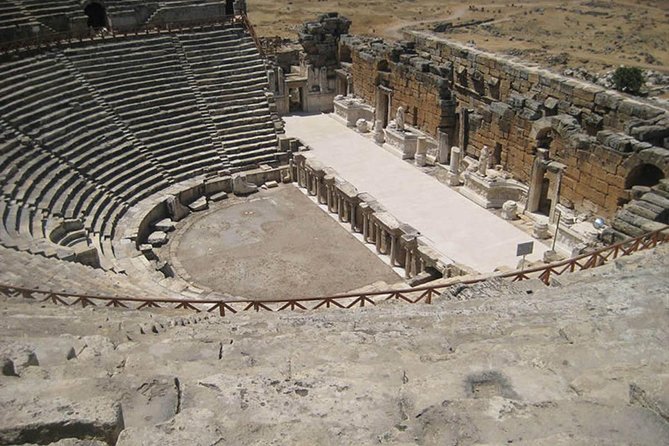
(540, 231)
(311, 184)
(510, 210)
(393, 250)
(484, 161)
(444, 148)
(319, 191)
(407, 263)
(536, 181)
(379, 135)
(464, 124)
(364, 228)
(421, 151)
(378, 232)
(271, 80)
(351, 216)
(280, 81)
(410, 243)
(454, 167)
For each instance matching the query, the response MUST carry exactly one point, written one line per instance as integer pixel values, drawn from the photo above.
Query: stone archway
(97, 15)
(644, 175)
(229, 7)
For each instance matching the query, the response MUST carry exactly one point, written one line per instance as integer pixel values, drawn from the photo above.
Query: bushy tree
(628, 79)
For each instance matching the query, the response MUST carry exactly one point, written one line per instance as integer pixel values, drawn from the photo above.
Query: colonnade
(364, 214)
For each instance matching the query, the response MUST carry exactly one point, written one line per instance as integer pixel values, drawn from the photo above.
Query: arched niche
(97, 15)
(643, 175)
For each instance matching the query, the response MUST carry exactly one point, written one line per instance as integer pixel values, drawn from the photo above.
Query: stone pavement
(458, 228)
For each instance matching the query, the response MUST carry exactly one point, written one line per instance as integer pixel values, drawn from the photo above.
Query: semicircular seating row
(20, 18)
(88, 131)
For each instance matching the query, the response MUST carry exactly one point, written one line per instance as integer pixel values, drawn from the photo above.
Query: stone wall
(421, 89)
(597, 137)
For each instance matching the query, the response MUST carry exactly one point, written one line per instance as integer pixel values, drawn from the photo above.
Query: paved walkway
(458, 228)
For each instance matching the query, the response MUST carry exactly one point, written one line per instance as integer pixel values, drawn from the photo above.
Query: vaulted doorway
(97, 15)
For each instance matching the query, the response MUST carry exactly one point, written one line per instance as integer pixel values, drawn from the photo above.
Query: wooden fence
(423, 294)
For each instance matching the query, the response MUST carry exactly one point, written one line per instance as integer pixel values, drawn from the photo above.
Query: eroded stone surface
(581, 362)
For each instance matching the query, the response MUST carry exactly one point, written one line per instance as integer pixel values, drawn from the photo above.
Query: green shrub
(628, 79)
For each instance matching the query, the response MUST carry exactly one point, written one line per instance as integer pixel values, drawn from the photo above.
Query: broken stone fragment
(199, 205)
(7, 367)
(165, 225)
(157, 238)
(20, 356)
(58, 418)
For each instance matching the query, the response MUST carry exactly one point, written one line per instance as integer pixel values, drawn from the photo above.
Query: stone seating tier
(492, 363)
(86, 140)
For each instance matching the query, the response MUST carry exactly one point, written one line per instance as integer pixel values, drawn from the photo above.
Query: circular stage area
(272, 245)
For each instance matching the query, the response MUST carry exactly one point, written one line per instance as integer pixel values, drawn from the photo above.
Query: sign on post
(524, 249)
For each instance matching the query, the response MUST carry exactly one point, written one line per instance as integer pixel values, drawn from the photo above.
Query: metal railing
(68, 38)
(424, 294)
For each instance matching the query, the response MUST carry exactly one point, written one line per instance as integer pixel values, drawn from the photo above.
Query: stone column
(410, 244)
(421, 151)
(351, 217)
(329, 184)
(379, 237)
(464, 124)
(444, 147)
(393, 250)
(311, 189)
(379, 135)
(281, 81)
(271, 80)
(454, 167)
(319, 190)
(407, 264)
(536, 180)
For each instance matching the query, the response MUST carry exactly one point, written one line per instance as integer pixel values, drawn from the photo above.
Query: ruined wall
(418, 86)
(599, 135)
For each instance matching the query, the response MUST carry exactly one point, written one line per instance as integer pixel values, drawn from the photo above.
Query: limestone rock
(196, 427)
(241, 186)
(157, 238)
(7, 366)
(199, 205)
(21, 356)
(219, 196)
(165, 225)
(176, 210)
(60, 418)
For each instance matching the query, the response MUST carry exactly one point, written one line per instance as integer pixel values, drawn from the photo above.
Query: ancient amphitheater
(210, 237)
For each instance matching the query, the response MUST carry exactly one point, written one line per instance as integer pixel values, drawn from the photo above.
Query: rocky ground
(582, 362)
(591, 35)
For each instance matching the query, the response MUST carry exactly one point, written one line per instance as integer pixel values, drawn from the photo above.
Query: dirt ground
(593, 34)
(275, 244)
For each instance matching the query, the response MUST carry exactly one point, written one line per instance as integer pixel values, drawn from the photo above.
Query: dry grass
(594, 34)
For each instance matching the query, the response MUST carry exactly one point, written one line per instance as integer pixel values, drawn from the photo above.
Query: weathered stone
(656, 199)
(510, 210)
(241, 186)
(21, 356)
(165, 225)
(199, 205)
(197, 427)
(60, 418)
(7, 367)
(176, 210)
(157, 238)
(218, 196)
(540, 231)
